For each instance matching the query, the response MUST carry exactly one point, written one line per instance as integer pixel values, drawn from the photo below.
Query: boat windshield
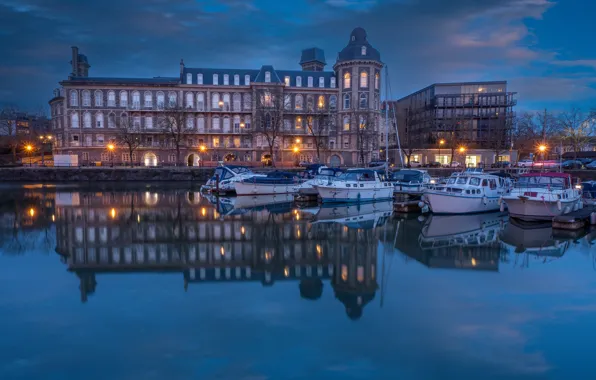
(357, 176)
(475, 181)
(240, 170)
(223, 173)
(538, 181)
(328, 173)
(407, 176)
(457, 180)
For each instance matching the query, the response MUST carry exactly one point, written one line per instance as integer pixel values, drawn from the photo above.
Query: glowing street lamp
(542, 148)
(111, 148)
(29, 149)
(202, 149)
(462, 149)
(441, 142)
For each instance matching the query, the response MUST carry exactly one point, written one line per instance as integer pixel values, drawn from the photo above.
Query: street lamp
(462, 151)
(44, 140)
(202, 150)
(441, 142)
(29, 149)
(111, 148)
(542, 149)
(296, 151)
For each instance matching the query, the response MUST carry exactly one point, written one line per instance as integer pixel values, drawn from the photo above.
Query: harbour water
(162, 282)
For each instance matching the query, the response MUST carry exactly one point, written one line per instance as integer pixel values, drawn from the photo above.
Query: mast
(386, 121)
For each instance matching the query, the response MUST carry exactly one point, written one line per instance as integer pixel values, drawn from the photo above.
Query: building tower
(313, 59)
(80, 65)
(358, 71)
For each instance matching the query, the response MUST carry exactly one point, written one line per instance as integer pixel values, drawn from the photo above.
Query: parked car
(591, 165)
(501, 165)
(548, 164)
(433, 164)
(586, 161)
(454, 164)
(373, 164)
(572, 164)
(414, 164)
(525, 163)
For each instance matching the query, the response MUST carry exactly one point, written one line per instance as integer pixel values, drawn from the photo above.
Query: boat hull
(331, 194)
(252, 188)
(536, 210)
(445, 203)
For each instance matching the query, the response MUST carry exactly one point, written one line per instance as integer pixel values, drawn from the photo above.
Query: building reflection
(181, 231)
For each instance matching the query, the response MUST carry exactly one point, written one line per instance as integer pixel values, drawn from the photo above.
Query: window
(87, 120)
(215, 101)
(333, 102)
(237, 102)
(216, 142)
(136, 99)
(226, 80)
(123, 99)
(99, 120)
(75, 138)
(298, 122)
(189, 78)
(347, 101)
(226, 124)
(363, 100)
(172, 99)
(172, 157)
(347, 80)
(160, 100)
(86, 98)
(215, 79)
(111, 121)
(111, 99)
(125, 157)
(332, 82)
(247, 122)
(287, 127)
(267, 77)
(298, 81)
(190, 100)
(201, 123)
(346, 123)
(199, 78)
(226, 101)
(149, 140)
(236, 80)
(287, 81)
(105, 157)
(74, 98)
(364, 79)
(74, 120)
(236, 122)
(321, 102)
(377, 80)
(148, 99)
(363, 50)
(190, 122)
(309, 81)
(310, 103)
(136, 121)
(99, 139)
(247, 80)
(200, 101)
(86, 158)
(98, 98)
(247, 101)
(321, 82)
(148, 122)
(299, 102)
(287, 102)
(215, 123)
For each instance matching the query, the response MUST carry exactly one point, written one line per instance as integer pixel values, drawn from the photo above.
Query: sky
(544, 49)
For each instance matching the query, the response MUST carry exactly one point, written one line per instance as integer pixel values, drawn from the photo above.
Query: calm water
(156, 282)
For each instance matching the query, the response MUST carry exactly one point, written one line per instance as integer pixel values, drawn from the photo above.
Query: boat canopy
(358, 175)
(544, 180)
(547, 174)
(407, 175)
(274, 177)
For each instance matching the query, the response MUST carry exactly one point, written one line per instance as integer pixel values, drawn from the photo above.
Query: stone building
(220, 111)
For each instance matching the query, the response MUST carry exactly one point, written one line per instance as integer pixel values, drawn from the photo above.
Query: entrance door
(334, 161)
(193, 160)
(150, 159)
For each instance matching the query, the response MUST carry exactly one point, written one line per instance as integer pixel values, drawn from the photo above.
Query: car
(572, 164)
(525, 163)
(373, 164)
(586, 161)
(548, 164)
(501, 165)
(433, 164)
(414, 164)
(591, 165)
(304, 164)
(454, 164)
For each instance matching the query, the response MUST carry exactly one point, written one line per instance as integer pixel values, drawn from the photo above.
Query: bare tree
(577, 129)
(269, 108)
(366, 133)
(175, 127)
(318, 124)
(9, 134)
(534, 129)
(129, 135)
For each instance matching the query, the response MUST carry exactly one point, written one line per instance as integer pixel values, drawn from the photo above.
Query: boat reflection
(364, 215)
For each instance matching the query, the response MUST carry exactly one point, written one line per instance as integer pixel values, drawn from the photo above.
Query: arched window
(347, 103)
(236, 123)
(321, 82)
(377, 81)
(346, 123)
(123, 99)
(215, 123)
(200, 101)
(226, 100)
(363, 50)
(111, 120)
(363, 100)
(236, 80)
(288, 101)
(160, 100)
(299, 103)
(215, 101)
(172, 99)
(136, 99)
(201, 123)
(309, 81)
(298, 81)
(226, 80)
(363, 79)
(74, 120)
(376, 101)
(267, 77)
(247, 101)
(226, 124)
(99, 120)
(333, 102)
(111, 99)
(310, 103)
(98, 98)
(74, 99)
(237, 102)
(87, 120)
(86, 98)
(123, 119)
(247, 80)
(199, 78)
(148, 121)
(148, 99)
(321, 102)
(298, 123)
(190, 100)
(347, 80)
(189, 78)
(190, 122)
(215, 79)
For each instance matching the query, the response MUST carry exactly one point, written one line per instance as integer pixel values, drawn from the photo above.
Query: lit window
(226, 80)
(346, 123)
(189, 78)
(299, 102)
(267, 76)
(236, 80)
(321, 102)
(199, 78)
(363, 50)
(344, 270)
(363, 79)
(298, 81)
(247, 80)
(347, 80)
(332, 82)
(287, 81)
(298, 122)
(347, 102)
(321, 82)
(310, 82)
(377, 81)
(215, 79)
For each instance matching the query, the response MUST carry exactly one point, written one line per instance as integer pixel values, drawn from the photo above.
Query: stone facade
(220, 111)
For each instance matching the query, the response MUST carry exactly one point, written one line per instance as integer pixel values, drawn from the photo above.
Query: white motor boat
(323, 176)
(356, 185)
(362, 215)
(468, 192)
(276, 182)
(228, 176)
(542, 196)
(410, 181)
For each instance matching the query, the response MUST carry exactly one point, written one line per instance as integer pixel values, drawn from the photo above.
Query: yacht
(542, 196)
(366, 215)
(468, 192)
(276, 182)
(323, 176)
(356, 185)
(228, 176)
(535, 239)
(410, 181)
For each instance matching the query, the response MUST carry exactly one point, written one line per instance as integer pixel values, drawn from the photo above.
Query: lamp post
(220, 104)
(542, 149)
(111, 148)
(296, 151)
(29, 149)
(441, 142)
(462, 151)
(202, 150)
(44, 140)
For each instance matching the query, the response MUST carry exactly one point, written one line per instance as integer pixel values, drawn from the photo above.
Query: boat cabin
(544, 180)
(230, 171)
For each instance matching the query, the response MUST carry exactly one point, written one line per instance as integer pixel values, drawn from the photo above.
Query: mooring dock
(576, 219)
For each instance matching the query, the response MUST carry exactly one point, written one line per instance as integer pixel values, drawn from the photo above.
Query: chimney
(181, 67)
(75, 61)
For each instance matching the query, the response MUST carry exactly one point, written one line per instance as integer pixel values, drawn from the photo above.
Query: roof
(440, 84)
(353, 50)
(313, 55)
(547, 174)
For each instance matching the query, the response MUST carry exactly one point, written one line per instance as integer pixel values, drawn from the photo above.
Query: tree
(9, 134)
(577, 129)
(175, 126)
(366, 133)
(269, 106)
(129, 135)
(533, 129)
(318, 125)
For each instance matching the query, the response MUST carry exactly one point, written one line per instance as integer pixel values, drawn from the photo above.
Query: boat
(322, 177)
(356, 185)
(410, 181)
(589, 192)
(276, 182)
(533, 239)
(228, 176)
(542, 196)
(362, 215)
(467, 192)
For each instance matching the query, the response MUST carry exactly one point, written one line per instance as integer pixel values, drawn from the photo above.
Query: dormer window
(226, 80)
(199, 78)
(188, 78)
(353, 38)
(215, 79)
(310, 82)
(247, 80)
(298, 81)
(287, 81)
(363, 50)
(236, 80)
(321, 82)
(267, 77)
(332, 82)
